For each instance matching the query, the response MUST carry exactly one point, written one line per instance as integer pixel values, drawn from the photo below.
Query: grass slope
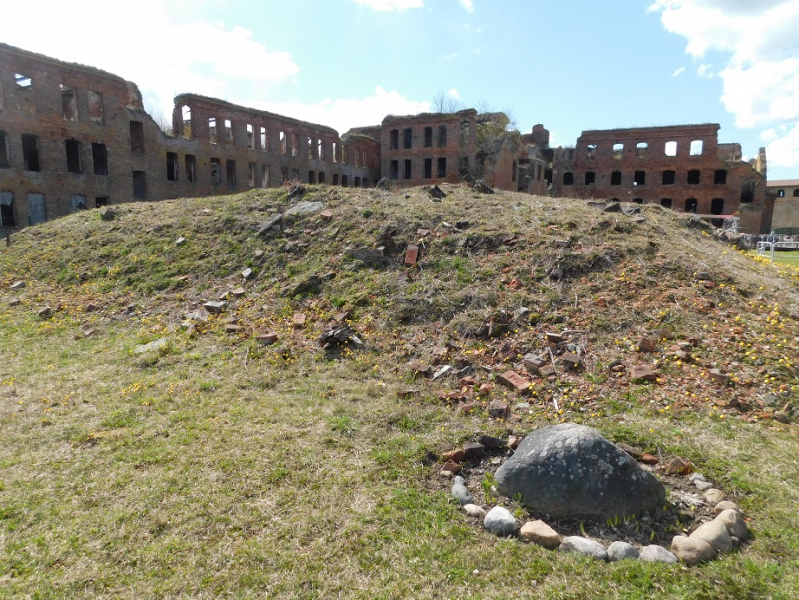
(216, 466)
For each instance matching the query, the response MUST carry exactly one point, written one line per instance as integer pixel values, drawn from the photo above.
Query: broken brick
(718, 377)
(473, 450)
(406, 394)
(646, 345)
(411, 255)
(299, 320)
(451, 467)
(267, 339)
(547, 371)
(498, 409)
(571, 361)
(514, 381)
(455, 456)
(533, 362)
(643, 372)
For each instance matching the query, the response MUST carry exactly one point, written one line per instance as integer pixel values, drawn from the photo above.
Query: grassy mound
(214, 464)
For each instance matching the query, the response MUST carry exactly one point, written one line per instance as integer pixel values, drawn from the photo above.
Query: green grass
(219, 467)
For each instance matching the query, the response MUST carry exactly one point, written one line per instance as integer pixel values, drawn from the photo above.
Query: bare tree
(444, 103)
(160, 119)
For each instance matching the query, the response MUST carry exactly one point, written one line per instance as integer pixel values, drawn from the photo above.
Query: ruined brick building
(75, 137)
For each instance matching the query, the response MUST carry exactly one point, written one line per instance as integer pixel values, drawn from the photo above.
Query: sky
(572, 65)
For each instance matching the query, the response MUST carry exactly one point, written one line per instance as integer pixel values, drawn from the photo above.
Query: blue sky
(572, 65)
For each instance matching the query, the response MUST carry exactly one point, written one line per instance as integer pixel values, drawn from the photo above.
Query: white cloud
(390, 5)
(453, 93)
(147, 43)
(761, 77)
(678, 72)
(345, 113)
(784, 150)
(468, 5)
(705, 71)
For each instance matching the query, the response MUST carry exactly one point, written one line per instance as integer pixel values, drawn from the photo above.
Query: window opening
(590, 177)
(230, 174)
(137, 136)
(513, 171)
(321, 177)
(171, 166)
(720, 177)
(284, 174)
(264, 144)
(618, 150)
(212, 130)
(442, 167)
(393, 143)
(229, 132)
(693, 176)
(668, 177)
(568, 178)
(216, 171)
(358, 160)
(311, 176)
(77, 203)
(639, 178)
(428, 137)
(344, 181)
(665, 202)
(100, 159)
(265, 176)
(25, 98)
(251, 174)
(641, 149)
(283, 141)
(250, 136)
(30, 152)
(139, 185)
(548, 176)
(407, 138)
(590, 151)
(393, 169)
(73, 148)
(335, 152)
(7, 210)
(101, 201)
(4, 160)
(365, 182)
(295, 174)
(408, 169)
(691, 205)
(320, 150)
(344, 154)
(37, 209)
(310, 147)
(615, 178)
(796, 193)
(364, 158)
(295, 144)
(69, 105)
(717, 206)
(191, 168)
(428, 168)
(442, 136)
(696, 148)
(670, 149)
(638, 200)
(748, 192)
(185, 119)
(357, 182)
(335, 178)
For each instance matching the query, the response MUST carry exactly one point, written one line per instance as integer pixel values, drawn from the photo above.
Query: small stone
(474, 511)
(460, 493)
(646, 345)
(533, 362)
(725, 505)
(655, 553)
(538, 532)
(678, 465)
(571, 361)
(498, 409)
(643, 373)
(621, 551)
(473, 450)
(452, 467)
(692, 551)
(247, 273)
(554, 338)
(714, 533)
(45, 312)
(703, 485)
(466, 408)
(107, 214)
(500, 521)
(232, 328)
(18, 285)
(267, 339)
(154, 345)
(718, 377)
(514, 441)
(648, 459)
(486, 389)
(492, 443)
(180, 241)
(237, 292)
(421, 370)
(455, 456)
(547, 371)
(298, 321)
(713, 496)
(215, 307)
(14, 301)
(581, 545)
(734, 522)
(442, 372)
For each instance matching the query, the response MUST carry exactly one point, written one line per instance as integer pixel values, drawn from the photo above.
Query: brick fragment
(514, 381)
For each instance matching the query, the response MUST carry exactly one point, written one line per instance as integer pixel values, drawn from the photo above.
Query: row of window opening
(31, 155)
(696, 147)
(407, 138)
(26, 100)
(668, 177)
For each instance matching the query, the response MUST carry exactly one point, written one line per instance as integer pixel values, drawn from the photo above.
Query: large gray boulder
(570, 471)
